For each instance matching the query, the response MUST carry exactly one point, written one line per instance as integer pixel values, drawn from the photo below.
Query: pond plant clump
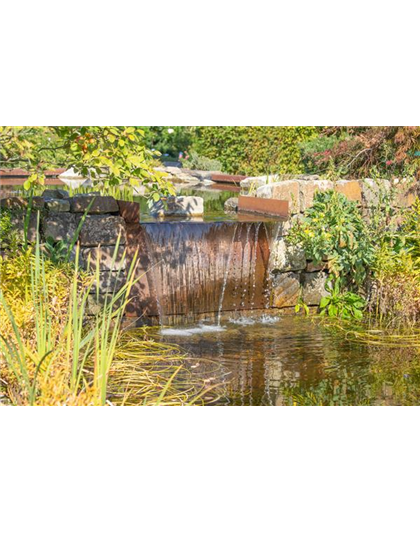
(55, 351)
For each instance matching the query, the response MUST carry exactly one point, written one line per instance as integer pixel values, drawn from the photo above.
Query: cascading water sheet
(198, 268)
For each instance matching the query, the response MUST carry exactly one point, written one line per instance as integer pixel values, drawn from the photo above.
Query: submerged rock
(179, 206)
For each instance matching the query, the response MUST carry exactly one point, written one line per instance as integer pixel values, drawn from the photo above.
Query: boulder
(103, 230)
(286, 290)
(57, 205)
(18, 225)
(308, 189)
(282, 190)
(179, 206)
(286, 258)
(74, 179)
(252, 184)
(20, 203)
(59, 226)
(350, 188)
(231, 205)
(374, 191)
(58, 194)
(101, 204)
(313, 287)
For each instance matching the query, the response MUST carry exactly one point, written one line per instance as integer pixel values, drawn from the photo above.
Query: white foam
(188, 332)
(249, 321)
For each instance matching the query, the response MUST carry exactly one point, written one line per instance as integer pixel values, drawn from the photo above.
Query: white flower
(170, 130)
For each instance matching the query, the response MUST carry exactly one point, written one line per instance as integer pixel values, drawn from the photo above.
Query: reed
(52, 352)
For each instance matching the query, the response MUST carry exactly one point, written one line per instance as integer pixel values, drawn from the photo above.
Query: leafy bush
(254, 150)
(194, 161)
(333, 230)
(170, 141)
(346, 305)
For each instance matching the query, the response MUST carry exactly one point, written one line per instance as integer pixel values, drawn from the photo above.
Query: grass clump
(53, 352)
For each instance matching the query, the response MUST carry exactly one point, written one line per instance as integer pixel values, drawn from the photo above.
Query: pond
(288, 360)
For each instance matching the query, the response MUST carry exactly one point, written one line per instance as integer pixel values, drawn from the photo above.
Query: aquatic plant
(54, 352)
(344, 304)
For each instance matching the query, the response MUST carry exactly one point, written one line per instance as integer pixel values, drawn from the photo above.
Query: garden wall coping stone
(100, 205)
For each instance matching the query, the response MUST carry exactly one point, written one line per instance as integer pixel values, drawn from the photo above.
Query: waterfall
(191, 269)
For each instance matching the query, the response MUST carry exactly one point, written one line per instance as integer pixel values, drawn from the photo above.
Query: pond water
(287, 360)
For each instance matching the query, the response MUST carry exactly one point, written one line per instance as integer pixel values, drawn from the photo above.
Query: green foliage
(5, 224)
(200, 162)
(346, 305)
(56, 251)
(333, 230)
(317, 152)
(254, 150)
(109, 155)
(170, 141)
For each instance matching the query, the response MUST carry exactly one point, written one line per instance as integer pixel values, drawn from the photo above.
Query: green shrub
(333, 230)
(254, 150)
(317, 152)
(169, 140)
(194, 161)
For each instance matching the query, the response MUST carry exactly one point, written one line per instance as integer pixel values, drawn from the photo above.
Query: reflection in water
(296, 361)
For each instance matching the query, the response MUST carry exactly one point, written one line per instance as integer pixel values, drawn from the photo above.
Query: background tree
(109, 155)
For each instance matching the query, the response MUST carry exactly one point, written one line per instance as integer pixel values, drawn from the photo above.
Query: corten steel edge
(265, 206)
(227, 178)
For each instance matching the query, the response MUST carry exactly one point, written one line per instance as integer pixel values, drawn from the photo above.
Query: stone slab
(102, 229)
(60, 226)
(286, 290)
(308, 189)
(283, 190)
(286, 258)
(105, 255)
(101, 204)
(313, 287)
(179, 206)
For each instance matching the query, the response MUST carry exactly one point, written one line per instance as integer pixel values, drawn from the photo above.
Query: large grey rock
(20, 203)
(231, 205)
(308, 189)
(58, 194)
(101, 204)
(179, 206)
(103, 230)
(60, 226)
(286, 258)
(313, 287)
(18, 225)
(285, 290)
(250, 185)
(374, 192)
(105, 255)
(287, 190)
(57, 205)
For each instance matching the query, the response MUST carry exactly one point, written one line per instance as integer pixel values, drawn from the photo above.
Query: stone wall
(299, 191)
(104, 227)
(293, 277)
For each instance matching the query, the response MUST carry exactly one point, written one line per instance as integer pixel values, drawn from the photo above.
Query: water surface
(266, 360)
